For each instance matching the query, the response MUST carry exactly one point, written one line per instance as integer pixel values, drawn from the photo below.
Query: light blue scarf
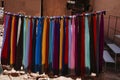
(24, 43)
(51, 38)
(87, 46)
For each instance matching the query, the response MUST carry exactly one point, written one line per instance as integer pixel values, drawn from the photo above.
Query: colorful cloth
(38, 52)
(59, 45)
(101, 42)
(51, 42)
(6, 40)
(19, 51)
(56, 46)
(72, 57)
(87, 46)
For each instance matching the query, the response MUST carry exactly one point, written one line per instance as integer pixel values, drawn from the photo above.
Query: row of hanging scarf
(61, 45)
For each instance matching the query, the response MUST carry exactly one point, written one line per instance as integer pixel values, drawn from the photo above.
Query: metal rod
(86, 14)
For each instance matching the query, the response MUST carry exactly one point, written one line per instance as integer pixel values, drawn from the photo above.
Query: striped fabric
(55, 45)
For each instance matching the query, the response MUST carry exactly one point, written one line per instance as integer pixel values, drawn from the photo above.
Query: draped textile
(101, 42)
(38, 52)
(34, 43)
(5, 52)
(87, 46)
(82, 45)
(51, 42)
(56, 47)
(60, 45)
(19, 51)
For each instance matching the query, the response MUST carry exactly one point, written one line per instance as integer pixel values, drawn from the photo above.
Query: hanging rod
(28, 16)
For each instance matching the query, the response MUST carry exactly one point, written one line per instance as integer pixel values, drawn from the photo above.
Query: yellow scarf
(12, 41)
(61, 44)
(44, 41)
